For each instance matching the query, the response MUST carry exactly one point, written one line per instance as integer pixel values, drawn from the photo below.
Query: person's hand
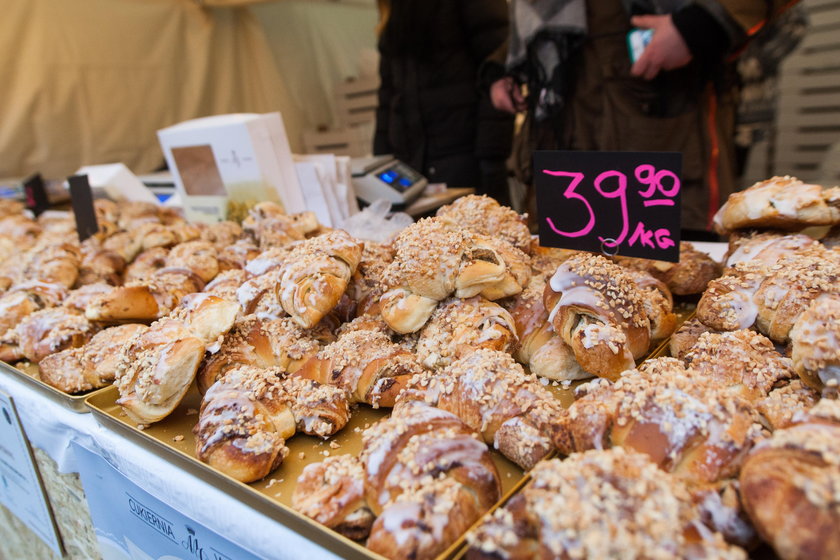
(506, 95)
(667, 49)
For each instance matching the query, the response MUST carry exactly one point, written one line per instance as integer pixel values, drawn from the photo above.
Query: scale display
(384, 177)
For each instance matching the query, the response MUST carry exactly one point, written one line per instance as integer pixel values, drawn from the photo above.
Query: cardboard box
(223, 165)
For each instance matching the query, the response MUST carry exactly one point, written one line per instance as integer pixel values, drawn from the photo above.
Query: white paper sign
(21, 489)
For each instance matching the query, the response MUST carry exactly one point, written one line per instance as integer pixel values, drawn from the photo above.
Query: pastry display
(423, 368)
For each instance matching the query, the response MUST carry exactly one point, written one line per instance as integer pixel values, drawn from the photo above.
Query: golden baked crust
(779, 202)
(684, 422)
(599, 504)
(689, 276)
(779, 407)
(460, 326)
(486, 216)
(366, 364)
(815, 342)
(790, 485)
(332, 493)
(491, 393)
(598, 310)
(685, 338)
(94, 365)
(539, 348)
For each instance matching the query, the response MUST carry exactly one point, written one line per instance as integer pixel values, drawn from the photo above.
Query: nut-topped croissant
(315, 276)
(484, 215)
(690, 275)
(598, 310)
(366, 364)
(790, 485)
(781, 203)
(815, 339)
(91, 366)
(332, 493)
(247, 416)
(459, 326)
(427, 478)
(158, 366)
(686, 423)
(540, 348)
(491, 393)
(435, 259)
(599, 504)
(262, 343)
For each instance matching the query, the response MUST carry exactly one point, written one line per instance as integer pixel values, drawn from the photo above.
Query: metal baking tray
(271, 496)
(29, 374)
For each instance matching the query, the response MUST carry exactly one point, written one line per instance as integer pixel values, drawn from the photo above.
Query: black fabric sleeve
(381, 142)
(704, 35)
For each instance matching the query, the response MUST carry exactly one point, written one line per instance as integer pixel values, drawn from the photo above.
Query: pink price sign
(625, 203)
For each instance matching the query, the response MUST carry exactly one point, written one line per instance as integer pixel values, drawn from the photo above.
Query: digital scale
(385, 177)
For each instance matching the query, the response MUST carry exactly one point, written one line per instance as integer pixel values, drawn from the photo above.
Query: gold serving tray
(29, 373)
(271, 496)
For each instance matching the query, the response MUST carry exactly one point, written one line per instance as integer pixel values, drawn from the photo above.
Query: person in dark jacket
(434, 109)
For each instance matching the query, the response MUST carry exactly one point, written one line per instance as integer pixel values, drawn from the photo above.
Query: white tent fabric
(91, 81)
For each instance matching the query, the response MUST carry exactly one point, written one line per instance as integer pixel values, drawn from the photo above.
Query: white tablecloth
(51, 427)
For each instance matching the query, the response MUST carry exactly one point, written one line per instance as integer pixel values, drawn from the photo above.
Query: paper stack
(327, 187)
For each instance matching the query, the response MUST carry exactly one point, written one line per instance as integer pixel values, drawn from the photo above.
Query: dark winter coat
(432, 112)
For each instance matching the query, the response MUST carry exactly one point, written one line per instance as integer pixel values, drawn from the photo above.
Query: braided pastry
(598, 310)
(779, 202)
(486, 216)
(686, 424)
(26, 298)
(517, 271)
(94, 365)
(599, 504)
(315, 276)
(262, 343)
(332, 493)
(658, 304)
(366, 364)
(789, 289)
(428, 479)
(815, 339)
(790, 485)
(433, 260)
(247, 416)
(539, 348)
(51, 330)
(158, 366)
(491, 393)
(742, 362)
(459, 326)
